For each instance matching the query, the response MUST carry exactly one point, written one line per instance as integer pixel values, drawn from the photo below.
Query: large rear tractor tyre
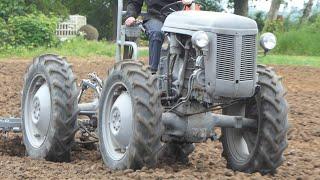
(49, 105)
(261, 149)
(130, 117)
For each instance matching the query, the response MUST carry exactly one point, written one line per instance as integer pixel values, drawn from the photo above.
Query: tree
(98, 12)
(114, 19)
(241, 7)
(274, 10)
(307, 11)
(210, 5)
(259, 17)
(48, 7)
(12, 8)
(22, 7)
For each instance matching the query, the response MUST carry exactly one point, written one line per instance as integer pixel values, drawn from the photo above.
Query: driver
(153, 23)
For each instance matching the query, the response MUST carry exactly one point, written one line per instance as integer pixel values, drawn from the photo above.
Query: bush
(303, 41)
(28, 31)
(259, 17)
(276, 26)
(12, 8)
(32, 31)
(314, 17)
(315, 26)
(3, 33)
(90, 32)
(210, 5)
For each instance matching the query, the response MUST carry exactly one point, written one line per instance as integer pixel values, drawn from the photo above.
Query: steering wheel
(167, 9)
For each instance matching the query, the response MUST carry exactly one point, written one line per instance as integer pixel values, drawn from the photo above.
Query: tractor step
(10, 124)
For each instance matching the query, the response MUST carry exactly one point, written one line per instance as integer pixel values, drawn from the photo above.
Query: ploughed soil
(302, 155)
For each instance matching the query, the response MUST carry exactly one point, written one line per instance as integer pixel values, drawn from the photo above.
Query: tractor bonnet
(224, 23)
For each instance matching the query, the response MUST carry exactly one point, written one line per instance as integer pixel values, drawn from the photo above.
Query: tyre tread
(272, 140)
(62, 82)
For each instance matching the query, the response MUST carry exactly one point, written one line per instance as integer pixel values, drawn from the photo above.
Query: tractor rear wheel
(130, 117)
(260, 149)
(49, 105)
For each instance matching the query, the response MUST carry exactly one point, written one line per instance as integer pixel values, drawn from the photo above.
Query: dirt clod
(228, 173)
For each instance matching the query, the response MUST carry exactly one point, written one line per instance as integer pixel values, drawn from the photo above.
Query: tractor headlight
(268, 41)
(200, 39)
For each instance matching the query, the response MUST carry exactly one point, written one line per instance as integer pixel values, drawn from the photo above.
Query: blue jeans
(156, 37)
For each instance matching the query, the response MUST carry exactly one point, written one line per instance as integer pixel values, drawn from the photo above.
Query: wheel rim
(240, 144)
(37, 111)
(117, 121)
(243, 142)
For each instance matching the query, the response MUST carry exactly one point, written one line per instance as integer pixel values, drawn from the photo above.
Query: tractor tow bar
(10, 124)
(200, 127)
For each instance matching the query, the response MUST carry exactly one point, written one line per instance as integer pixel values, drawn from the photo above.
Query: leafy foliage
(99, 13)
(22, 7)
(12, 8)
(3, 33)
(90, 33)
(210, 5)
(32, 30)
(48, 7)
(102, 13)
(315, 26)
(300, 41)
(259, 17)
(276, 26)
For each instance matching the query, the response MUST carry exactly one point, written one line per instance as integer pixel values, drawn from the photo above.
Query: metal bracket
(200, 127)
(10, 124)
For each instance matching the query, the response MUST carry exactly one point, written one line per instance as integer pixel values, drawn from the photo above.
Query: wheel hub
(121, 118)
(115, 121)
(37, 113)
(36, 110)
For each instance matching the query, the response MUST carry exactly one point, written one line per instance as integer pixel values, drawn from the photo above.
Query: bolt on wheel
(117, 121)
(37, 111)
(49, 106)
(130, 117)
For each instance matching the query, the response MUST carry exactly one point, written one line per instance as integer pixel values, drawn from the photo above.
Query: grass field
(313, 61)
(72, 48)
(86, 49)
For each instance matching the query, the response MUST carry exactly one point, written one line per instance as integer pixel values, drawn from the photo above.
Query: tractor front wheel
(130, 117)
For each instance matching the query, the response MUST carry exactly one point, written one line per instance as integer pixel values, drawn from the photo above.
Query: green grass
(313, 61)
(72, 48)
(301, 42)
(81, 48)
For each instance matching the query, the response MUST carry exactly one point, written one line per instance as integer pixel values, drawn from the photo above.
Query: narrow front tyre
(130, 117)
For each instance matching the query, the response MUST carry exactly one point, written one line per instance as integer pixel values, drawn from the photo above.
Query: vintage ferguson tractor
(208, 78)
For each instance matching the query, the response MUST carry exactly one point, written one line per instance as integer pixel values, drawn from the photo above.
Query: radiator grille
(225, 57)
(247, 57)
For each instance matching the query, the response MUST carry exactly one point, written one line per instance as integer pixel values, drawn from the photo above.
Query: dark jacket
(153, 6)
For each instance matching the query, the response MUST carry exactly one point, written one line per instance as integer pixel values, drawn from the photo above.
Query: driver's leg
(156, 37)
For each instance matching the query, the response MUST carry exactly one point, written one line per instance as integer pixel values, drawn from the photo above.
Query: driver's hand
(187, 2)
(130, 21)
